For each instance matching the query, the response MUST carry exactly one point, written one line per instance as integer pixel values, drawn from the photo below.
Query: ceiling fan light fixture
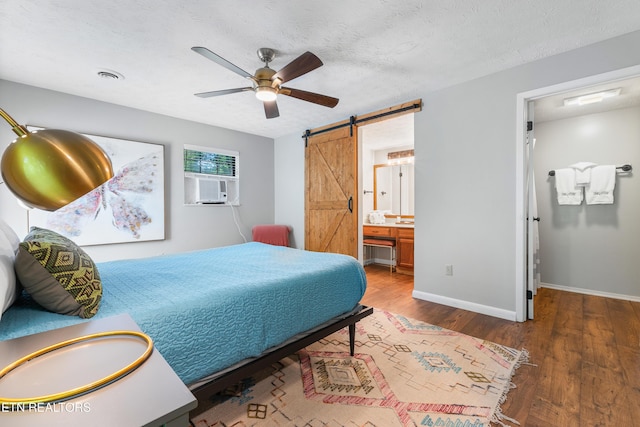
(266, 93)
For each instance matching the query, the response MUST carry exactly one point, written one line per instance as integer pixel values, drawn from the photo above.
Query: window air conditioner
(211, 191)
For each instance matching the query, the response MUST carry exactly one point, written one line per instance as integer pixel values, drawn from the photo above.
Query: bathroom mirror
(393, 189)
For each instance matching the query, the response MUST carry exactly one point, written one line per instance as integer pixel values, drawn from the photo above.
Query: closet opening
(574, 239)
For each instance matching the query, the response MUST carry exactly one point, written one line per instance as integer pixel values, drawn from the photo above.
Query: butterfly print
(121, 196)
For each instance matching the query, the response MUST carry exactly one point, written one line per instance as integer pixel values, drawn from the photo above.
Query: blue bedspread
(206, 310)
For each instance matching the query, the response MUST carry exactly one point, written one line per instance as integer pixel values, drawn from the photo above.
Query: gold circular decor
(69, 394)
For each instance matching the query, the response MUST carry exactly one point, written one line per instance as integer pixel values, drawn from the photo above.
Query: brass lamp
(50, 168)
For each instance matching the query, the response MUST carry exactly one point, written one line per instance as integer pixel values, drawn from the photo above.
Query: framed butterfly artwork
(127, 208)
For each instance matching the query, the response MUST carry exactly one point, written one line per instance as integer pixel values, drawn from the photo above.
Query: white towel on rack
(603, 182)
(583, 172)
(568, 192)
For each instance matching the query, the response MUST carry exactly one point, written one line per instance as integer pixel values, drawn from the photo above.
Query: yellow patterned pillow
(58, 274)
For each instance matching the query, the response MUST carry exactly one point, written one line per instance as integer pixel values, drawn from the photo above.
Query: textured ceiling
(375, 53)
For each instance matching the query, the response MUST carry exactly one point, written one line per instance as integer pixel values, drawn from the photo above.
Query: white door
(531, 218)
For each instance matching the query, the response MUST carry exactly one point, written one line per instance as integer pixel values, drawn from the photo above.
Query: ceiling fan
(266, 83)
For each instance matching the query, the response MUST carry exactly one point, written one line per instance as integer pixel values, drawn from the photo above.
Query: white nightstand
(151, 395)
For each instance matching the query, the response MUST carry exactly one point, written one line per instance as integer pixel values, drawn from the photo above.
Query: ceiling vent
(110, 75)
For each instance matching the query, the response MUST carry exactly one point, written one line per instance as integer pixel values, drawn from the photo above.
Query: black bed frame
(251, 366)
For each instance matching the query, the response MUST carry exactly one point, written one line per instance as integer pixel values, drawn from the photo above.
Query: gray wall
(465, 148)
(590, 247)
(289, 185)
(186, 227)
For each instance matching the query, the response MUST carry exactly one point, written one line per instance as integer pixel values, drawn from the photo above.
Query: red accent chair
(272, 234)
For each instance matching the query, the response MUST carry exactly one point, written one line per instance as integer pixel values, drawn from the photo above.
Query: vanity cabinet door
(404, 248)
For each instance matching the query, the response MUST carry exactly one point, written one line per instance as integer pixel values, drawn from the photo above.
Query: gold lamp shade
(50, 168)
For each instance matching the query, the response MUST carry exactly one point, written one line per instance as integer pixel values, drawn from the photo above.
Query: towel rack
(624, 168)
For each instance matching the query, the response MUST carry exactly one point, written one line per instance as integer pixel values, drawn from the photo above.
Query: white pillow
(9, 243)
(10, 235)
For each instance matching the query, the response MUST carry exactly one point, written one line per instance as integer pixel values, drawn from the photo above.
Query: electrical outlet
(448, 269)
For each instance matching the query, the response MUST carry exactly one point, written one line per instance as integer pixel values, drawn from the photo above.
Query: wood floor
(586, 350)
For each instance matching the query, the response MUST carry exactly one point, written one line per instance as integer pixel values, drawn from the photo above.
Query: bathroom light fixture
(400, 157)
(591, 98)
(50, 168)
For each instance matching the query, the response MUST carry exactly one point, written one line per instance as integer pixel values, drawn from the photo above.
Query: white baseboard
(466, 305)
(590, 292)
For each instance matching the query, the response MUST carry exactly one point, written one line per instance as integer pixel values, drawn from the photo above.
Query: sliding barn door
(331, 217)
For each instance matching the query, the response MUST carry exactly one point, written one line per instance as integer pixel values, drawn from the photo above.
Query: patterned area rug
(404, 373)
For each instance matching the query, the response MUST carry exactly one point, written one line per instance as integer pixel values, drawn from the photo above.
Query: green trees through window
(209, 163)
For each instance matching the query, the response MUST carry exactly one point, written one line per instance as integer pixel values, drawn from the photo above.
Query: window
(204, 162)
(211, 176)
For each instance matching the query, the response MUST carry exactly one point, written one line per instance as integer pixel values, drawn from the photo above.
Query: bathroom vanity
(402, 235)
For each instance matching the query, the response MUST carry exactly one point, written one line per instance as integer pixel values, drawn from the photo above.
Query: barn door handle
(350, 205)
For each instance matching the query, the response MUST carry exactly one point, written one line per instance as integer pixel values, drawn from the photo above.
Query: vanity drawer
(376, 231)
(406, 233)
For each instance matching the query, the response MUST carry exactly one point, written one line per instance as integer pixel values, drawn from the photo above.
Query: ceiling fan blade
(316, 98)
(299, 66)
(221, 61)
(223, 92)
(271, 109)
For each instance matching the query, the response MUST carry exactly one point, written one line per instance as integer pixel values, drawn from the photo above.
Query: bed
(219, 314)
